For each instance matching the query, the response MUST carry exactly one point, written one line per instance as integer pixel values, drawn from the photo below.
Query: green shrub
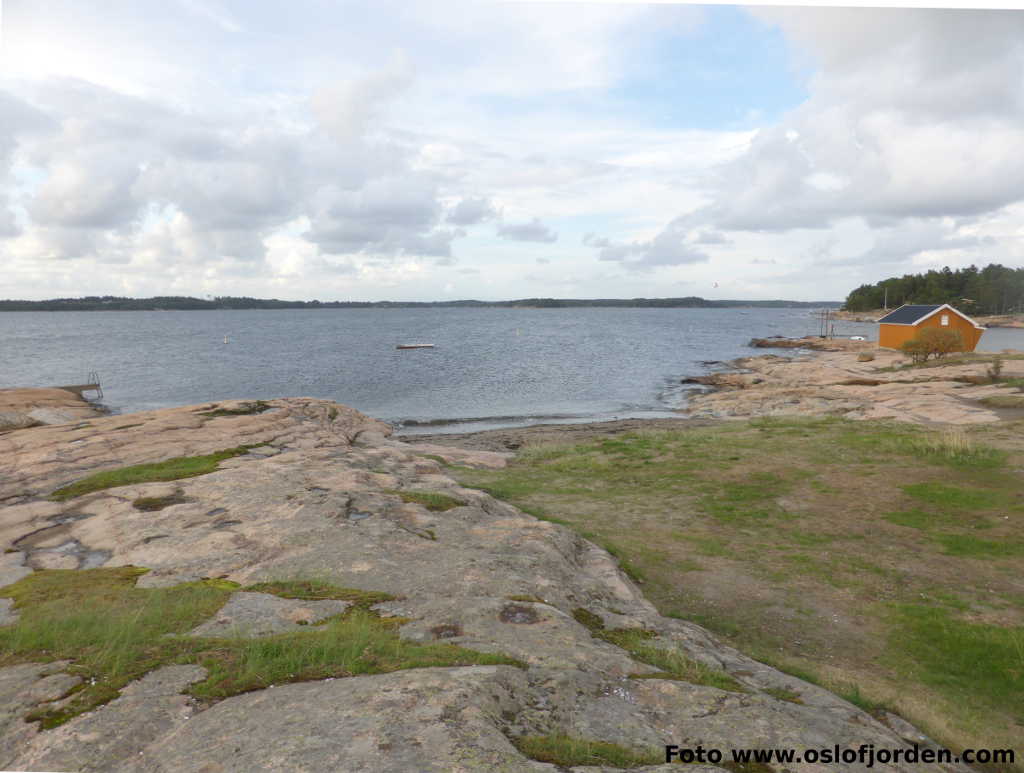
(933, 342)
(914, 349)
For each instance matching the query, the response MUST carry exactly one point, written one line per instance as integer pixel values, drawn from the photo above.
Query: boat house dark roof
(908, 315)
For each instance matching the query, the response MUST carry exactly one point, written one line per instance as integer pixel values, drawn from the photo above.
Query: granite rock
(322, 500)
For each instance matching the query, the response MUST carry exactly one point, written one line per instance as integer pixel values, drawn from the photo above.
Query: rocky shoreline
(831, 379)
(857, 380)
(315, 490)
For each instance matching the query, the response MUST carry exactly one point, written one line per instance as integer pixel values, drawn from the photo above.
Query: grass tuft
(316, 590)
(434, 457)
(152, 504)
(244, 409)
(431, 500)
(569, 751)
(955, 447)
(671, 663)
(746, 767)
(781, 693)
(170, 469)
(913, 519)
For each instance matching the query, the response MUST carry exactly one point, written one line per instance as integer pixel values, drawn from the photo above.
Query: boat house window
(945, 319)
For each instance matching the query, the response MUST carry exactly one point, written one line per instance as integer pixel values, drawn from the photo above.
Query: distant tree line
(185, 303)
(994, 289)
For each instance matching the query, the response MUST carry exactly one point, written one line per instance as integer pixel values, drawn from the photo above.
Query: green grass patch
(429, 499)
(96, 618)
(114, 632)
(1003, 401)
(913, 519)
(671, 663)
(569, 751)
(956, 497)
(244, 409)
(952, 447)
(969, 663)
(170, 469)
(356, 643)
(804, 565)
(973, 547)
(738, 501)
(707, 545)
(853, 694)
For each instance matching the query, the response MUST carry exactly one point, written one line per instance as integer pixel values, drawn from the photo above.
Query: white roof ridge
(937, 308)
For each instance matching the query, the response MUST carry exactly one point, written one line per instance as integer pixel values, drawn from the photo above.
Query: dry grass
(819, 545)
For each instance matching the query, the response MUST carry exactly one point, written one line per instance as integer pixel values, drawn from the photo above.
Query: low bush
(933, 342)
(995, 370)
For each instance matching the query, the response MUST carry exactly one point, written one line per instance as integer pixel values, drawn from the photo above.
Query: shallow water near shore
(490, 367)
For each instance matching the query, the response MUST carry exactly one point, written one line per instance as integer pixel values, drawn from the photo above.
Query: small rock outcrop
(838, 383)
(817, 343)
(315, 490)
(24, 408)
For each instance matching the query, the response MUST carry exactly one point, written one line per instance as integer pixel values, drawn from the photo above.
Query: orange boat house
(904, 323)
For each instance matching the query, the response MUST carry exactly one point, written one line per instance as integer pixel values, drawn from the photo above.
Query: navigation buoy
(225, 339)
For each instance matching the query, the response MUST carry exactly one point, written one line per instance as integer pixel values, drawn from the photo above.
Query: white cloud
(672, 246)
(914, 113)
(471, 211)
(532, 231)
(197, 147)
(347, 109)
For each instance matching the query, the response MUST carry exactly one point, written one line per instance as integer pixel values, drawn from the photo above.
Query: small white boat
(415, 346)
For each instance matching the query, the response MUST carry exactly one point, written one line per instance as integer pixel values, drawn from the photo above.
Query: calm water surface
(490, 367)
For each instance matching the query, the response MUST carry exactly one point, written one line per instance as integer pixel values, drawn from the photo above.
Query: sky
(446, 149)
